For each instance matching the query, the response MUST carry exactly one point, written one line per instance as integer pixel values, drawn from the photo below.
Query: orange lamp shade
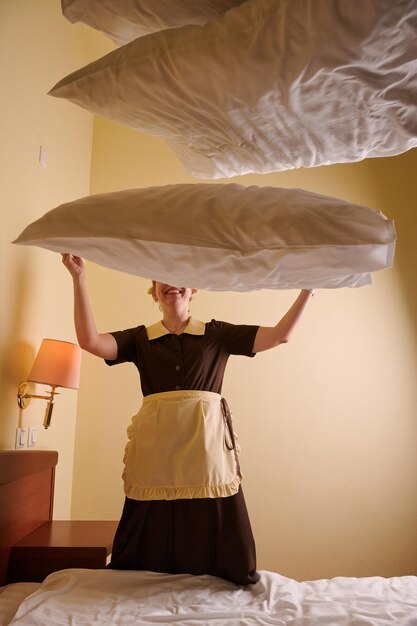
(57, 363)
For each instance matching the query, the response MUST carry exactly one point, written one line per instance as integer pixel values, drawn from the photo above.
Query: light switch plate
(20, 440)
(43, 157)
(32, 437)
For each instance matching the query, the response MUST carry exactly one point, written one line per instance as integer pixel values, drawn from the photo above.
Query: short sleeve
(126, 346)
(238, 338)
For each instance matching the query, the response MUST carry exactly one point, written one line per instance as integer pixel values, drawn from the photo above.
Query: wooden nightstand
(60, 545)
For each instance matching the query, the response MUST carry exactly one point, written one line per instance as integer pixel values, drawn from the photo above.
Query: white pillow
(222, 237)
(124, 20)
(270, 85)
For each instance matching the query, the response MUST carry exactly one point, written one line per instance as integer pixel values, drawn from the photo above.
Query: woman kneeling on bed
(184, 510)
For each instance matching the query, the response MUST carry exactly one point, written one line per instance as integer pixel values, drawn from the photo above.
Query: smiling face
(172, 297)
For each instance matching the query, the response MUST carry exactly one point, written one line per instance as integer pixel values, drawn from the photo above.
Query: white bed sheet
(11, 596)
(116, 597)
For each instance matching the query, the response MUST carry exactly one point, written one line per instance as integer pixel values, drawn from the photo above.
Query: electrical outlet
(20, 441)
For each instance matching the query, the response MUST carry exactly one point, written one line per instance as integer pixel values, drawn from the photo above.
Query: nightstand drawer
(60, 545)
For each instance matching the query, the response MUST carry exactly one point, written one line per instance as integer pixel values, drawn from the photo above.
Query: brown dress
(194, 536)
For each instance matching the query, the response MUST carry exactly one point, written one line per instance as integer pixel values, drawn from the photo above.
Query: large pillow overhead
(222, 237)
(124, 20)
(270, 85)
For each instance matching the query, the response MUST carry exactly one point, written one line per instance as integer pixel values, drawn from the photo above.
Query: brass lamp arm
(34, 395)
(24, 398)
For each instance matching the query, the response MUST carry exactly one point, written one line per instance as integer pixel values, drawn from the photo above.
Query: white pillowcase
(270, 85)
(124, 20)
(222, 237)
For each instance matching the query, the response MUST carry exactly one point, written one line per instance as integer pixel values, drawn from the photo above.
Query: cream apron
(181, 444)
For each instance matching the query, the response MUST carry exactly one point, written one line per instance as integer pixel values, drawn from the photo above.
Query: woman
(184, 510)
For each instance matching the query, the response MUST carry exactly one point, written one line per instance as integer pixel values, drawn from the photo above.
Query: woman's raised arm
(100, 344)
(270, 337)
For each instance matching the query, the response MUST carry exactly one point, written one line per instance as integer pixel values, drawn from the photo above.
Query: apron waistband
(182, 394)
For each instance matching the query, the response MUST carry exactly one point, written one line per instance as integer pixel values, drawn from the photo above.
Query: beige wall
(327, 423)
(37, 47)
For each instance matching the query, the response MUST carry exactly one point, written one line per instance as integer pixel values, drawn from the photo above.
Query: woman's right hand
(74, 264)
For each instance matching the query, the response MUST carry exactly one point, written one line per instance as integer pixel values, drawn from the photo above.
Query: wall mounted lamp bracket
(24, 397)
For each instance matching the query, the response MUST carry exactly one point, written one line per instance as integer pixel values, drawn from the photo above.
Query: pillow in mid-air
(269, 85)
(222, 237)
(124, 20)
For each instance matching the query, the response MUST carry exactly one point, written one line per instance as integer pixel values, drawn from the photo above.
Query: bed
(103, 597)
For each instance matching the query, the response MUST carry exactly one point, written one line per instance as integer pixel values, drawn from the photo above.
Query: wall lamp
(57, 364)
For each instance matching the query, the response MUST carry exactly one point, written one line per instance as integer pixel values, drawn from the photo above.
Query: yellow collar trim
(194, 327)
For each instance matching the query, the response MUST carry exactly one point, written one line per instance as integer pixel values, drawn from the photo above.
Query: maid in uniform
(184, 509)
